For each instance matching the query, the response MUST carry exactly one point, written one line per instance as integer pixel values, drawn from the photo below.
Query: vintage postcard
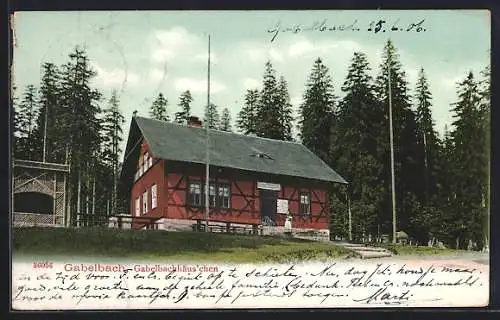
(250, 159)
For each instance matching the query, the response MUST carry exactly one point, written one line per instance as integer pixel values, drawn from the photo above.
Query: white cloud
(251, 83)
(113, 77)
(346, 45)
(197, 86)
(276, 55)
(255, 54)
(300, 48)
(162, 54)
(304, 47)
(171, 43)
(203, 57)
(156, 74)
(258, 52)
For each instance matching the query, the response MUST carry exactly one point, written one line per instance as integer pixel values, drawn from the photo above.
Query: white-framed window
(150, 162)
(305, 203)
(146, 161)
(224, 196)
(212, 195)
(141, 170)
(145, 202)
(195, 193)
(138, 206)
(153, 196)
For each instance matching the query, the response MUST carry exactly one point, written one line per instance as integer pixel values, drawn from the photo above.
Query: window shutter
(153, 196)
(138, 206)
(145, 202)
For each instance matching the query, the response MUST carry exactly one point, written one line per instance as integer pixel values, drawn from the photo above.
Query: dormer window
(261, 155)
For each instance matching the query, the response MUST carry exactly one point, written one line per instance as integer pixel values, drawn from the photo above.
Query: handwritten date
(374, 27)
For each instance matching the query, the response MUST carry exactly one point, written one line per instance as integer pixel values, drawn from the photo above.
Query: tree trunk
(87, 198)
(93, 196)
(78, 196)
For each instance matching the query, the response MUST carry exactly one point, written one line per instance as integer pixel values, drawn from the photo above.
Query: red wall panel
(245, 204)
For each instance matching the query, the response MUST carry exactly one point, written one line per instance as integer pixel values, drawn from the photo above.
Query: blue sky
(142, 53)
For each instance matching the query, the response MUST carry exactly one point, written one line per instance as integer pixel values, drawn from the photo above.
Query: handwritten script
(375, 27)
(121, 286)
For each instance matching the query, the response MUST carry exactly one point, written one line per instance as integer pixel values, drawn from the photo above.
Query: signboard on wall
(282, 206)
(268, 186)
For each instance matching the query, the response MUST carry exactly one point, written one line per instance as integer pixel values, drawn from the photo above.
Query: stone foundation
(175, 224)
(303, 233)
(187, 225)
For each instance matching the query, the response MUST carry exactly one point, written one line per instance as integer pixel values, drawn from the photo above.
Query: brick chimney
(194, 122)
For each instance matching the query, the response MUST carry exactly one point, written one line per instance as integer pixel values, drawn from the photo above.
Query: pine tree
(471, 163)
(79, 126)
(225, 121)
(185, 105)
(428, 140)
(15, 131)
(26, 120)
(112, 136)
(485, 112)
(247, 117)
(285, 112)
(211, 119)
(356, 149)
(317, 111)
(158, 110)
(47, 131)
(407, 176)
(268, 117)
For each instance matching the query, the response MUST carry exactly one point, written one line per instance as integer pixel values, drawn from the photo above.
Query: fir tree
(158, 110)
(270, 117)
(428, 140)
(317, 111)
(471, 163)
(285, 111)
(247, 117)
(112, 136)
(225, 121)
(407, 176)
(485, 114)
(48, 132)
(185, 105)
(355, 152)
(79, 126)
(211, 119)
(15, 129)
(26, 120)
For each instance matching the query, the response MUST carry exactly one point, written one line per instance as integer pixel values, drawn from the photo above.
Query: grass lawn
(407, 250)
(177, 246)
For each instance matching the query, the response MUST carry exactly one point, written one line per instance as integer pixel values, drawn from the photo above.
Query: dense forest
(441, 181)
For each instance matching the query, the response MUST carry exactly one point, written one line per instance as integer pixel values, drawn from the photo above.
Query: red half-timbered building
(252, 180)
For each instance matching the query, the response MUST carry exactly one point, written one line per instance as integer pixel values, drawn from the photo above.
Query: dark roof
(188, 144)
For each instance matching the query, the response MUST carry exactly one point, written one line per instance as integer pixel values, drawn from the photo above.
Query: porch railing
(117, 221)
(26, 219)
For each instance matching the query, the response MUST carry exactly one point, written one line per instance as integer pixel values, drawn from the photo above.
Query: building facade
(252, 181)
